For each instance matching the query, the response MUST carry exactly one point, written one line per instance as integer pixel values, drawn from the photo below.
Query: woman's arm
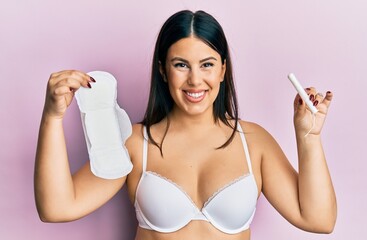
(59, 195)
(307, 198)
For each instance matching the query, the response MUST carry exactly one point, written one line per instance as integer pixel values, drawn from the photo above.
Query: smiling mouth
(195, 95)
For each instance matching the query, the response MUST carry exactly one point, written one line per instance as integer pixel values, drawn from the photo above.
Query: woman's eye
(180, 65)
(206, 65)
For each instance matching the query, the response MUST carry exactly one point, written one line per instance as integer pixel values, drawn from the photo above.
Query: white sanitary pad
(106, 127)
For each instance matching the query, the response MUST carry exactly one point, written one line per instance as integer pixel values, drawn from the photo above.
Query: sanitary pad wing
(106, 127)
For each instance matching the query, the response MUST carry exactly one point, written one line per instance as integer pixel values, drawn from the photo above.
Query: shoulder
(137, 133)
(257, 136)
(264, 150)
(134, 143)
(252, 128)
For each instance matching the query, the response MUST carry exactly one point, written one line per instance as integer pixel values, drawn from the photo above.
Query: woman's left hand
(303, 120)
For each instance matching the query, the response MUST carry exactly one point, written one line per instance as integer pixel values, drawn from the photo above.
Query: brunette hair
(205, 27)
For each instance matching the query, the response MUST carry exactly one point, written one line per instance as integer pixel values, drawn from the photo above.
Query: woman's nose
(195, 78)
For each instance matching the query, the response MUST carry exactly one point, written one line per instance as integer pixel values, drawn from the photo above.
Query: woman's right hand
(61, 88)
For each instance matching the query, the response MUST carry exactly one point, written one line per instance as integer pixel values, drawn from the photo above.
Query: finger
(318, 99)
(328, 98)
(311, 91)
(73, 79)
(62, 90)
(299, 104)
(71, 83)
(82, 77)
(55, 74)
(68, 72)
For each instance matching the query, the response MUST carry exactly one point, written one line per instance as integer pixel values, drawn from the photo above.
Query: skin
(307, 198)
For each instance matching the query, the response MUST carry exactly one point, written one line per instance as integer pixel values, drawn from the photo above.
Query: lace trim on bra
(210, 198)
(178, 186)
(224, 187)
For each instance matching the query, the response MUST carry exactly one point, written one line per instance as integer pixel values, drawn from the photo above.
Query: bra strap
(145, 149)
(245, 147)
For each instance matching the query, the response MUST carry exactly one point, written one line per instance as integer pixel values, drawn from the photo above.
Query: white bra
(163, 206)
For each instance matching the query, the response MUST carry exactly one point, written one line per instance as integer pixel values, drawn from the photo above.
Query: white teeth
(195, 95)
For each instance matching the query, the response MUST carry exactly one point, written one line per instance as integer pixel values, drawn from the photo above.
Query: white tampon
(302, 92)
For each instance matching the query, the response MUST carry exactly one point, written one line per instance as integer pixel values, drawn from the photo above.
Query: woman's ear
(161, 70)
(224, 67)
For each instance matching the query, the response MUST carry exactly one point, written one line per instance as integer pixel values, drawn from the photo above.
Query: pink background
(322, 42)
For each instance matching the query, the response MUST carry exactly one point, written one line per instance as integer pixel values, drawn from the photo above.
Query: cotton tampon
(302, 92)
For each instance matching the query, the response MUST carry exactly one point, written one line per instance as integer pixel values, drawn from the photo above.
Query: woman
(198, 170)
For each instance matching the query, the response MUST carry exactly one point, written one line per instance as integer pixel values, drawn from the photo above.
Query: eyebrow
(185, 61)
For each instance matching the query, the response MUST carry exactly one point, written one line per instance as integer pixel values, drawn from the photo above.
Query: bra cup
(232, 209)
(163, 206)
(172, 209)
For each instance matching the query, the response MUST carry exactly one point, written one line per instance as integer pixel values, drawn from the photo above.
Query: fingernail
(315, 103)
(312, 97)
(308, 89)
(92, 79)
(88, 84)
(328, 92)
(300, 101)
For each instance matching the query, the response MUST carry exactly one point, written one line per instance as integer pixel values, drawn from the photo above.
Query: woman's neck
(186, 121)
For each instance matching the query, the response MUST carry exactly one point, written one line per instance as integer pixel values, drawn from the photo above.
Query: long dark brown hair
(184, 24)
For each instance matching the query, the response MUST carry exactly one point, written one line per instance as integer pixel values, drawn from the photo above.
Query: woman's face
(193, 72)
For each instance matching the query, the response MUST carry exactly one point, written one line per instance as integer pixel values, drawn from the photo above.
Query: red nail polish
(92, 79)
(308, 89)
(312, 97)
(88, 84)
(328, 92)
(315, 103)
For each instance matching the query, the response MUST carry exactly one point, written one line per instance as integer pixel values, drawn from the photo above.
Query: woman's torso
(198, 169)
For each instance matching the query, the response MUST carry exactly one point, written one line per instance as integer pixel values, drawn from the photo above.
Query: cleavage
(208, 199)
